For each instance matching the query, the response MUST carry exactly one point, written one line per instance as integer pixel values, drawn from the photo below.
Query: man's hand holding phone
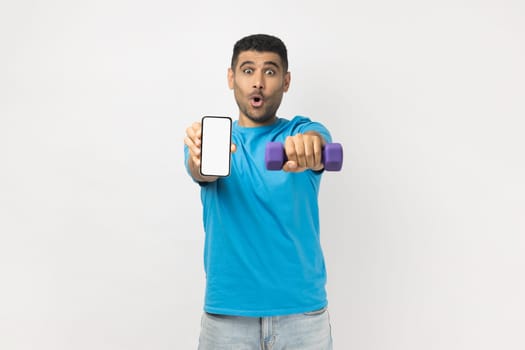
(210, 148)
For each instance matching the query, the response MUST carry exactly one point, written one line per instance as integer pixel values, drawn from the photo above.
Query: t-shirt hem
(265, 313)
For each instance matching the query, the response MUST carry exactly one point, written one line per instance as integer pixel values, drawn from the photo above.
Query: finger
(197, 126)
(194, 156)
(318, 153)
(299, 142)
(292, 167)
(195, 133)
(289, 149)
(309, 154)
(233, 148)
(190, 133)
(194, 149)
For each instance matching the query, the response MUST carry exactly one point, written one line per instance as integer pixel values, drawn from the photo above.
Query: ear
(230, 78)
(287, 79)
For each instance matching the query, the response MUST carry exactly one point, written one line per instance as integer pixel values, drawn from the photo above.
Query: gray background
(100, 227)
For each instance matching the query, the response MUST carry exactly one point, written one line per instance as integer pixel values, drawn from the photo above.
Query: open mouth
(256, 101)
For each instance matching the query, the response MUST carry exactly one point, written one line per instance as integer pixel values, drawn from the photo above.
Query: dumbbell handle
(332, 156)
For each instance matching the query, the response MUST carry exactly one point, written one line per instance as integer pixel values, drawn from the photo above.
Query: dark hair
(260, 43)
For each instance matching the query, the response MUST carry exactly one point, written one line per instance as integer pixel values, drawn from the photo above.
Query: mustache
(256, 95)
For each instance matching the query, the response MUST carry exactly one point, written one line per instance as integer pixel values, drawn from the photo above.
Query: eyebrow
(266, 63)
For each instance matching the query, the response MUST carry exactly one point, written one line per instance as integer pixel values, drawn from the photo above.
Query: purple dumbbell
(332, 156)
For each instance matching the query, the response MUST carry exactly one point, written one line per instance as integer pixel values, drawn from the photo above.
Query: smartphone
(216, 146)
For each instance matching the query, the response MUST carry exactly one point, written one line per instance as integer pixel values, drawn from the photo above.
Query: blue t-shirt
(262, 253)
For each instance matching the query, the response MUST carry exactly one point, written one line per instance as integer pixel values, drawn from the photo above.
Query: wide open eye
(247, 71)
(269, 72)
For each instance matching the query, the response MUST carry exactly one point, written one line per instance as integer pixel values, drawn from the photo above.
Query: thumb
(290, 166)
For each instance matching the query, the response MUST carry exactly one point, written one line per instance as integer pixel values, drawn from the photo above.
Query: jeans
(308, 331)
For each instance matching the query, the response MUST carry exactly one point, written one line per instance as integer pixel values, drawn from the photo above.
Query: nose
(258, 80)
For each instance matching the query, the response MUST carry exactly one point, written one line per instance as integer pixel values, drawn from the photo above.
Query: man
(265, 270)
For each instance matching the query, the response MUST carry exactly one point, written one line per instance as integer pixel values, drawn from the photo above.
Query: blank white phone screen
(215, 147)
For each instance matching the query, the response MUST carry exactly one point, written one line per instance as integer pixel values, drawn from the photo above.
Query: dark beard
(260, 120)
(265, 118)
